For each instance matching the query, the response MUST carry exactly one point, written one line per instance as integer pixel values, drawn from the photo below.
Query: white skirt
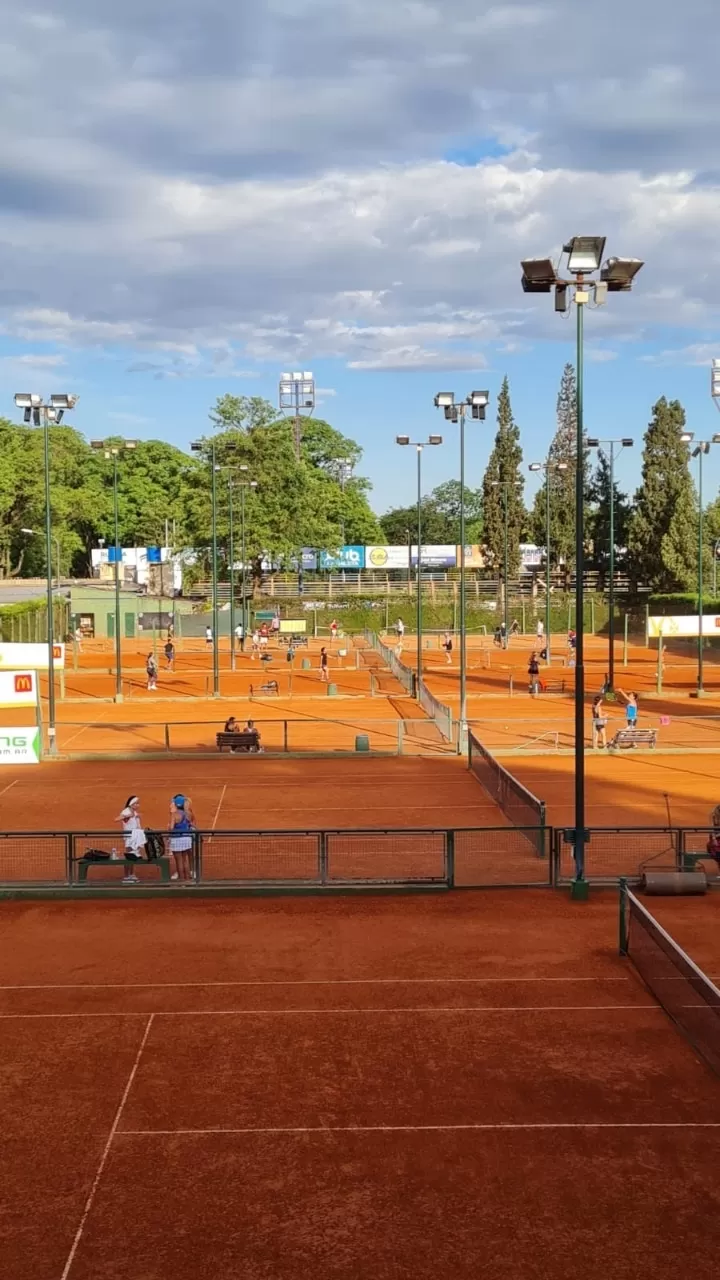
(180, 844)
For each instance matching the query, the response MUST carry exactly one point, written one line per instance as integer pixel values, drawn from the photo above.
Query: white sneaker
(130, 880)
(174, 876)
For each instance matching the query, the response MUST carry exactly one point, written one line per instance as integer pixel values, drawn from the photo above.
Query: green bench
(128, 864)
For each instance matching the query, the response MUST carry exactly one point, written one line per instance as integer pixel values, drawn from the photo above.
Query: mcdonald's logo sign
(24, 683)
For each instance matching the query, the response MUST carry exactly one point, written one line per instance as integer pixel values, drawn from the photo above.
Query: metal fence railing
(403, 674)
(466, 857)
(440, 713)
(447, 857)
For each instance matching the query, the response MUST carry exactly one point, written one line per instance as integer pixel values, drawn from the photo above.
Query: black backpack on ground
(154, 845)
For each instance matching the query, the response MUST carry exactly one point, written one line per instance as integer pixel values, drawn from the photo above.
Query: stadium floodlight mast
(111, 451)
(242, 485)
(455, 411)
(419, 445)
(297, 396)
(539, 275)
(701, 448)
(625, 442)
(505, 486)
(548, 467)
(198, 446)
(42, 414)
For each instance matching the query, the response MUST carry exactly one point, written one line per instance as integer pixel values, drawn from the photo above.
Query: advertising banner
(531, 557)
(388, 557)
(475, 557)
(20, 745)
(343, 558)
(683, 626)
(18, 689)
(32, 657)
(436, 556)
(293, 626)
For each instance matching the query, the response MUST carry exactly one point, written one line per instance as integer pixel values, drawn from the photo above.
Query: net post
(167, 736)
(323, 856)
(285, 736)
(400, 737)
(623, 930)
(450, 858)
(198, 851)
(69, 856)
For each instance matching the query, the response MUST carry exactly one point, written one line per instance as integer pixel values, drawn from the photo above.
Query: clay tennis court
(329, 1088)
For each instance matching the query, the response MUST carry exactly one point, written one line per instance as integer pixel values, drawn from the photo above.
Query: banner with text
(683, 626)
(19, 745)
(33, 657)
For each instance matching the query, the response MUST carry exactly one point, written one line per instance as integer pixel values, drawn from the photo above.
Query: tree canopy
(440, 514)
(663, 532)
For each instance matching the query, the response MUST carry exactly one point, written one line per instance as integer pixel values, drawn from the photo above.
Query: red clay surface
(367, 1088)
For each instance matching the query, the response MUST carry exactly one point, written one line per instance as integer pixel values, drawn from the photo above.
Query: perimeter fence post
(198, 850)
(323, 856)
(450, 858)
(523, 617)
(167, 736)
(69, 856)
(400, 728)
(285, 735)
(623, 917)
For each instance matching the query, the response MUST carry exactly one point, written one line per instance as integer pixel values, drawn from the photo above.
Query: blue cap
(179, 801)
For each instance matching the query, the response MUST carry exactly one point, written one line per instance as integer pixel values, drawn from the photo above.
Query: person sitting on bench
(231, 725)
(251, 727)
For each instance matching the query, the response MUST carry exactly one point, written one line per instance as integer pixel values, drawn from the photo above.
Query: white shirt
(401, 628)
(239, 631)
(208, 633)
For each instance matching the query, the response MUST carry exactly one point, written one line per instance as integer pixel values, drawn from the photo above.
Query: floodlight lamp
(592, 442)
(296, 376)
(619, 273)
(435, 439)
(535, 466)
(714, 380)
(627, 442)
(63, 402)
(451, 413)
(585, 253)
(253, 484)
(307, 376)
(402, 439)
(130, 444)
(27, 415)
(479, 399)
(716, 439)
(538, 275)
(284, 377)
(444, 400)
(29, 531)
(561, 466)
(196, 446)
(23, 400)
(686, 436)
(52, 414)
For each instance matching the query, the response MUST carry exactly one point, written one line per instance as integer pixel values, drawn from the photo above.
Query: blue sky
(216, 195)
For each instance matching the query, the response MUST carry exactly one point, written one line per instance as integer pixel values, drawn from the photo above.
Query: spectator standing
(151, 667)
(333, 630)
(324, 664)
(208, 635)
(240, 636)
(515, 628)
(275, 625)
(540, 629)
(255, 645)
(448, 646)
(599, 722)
(133, 834)
(170, 654)
(181, 829)
(533, 675)
(400, 628)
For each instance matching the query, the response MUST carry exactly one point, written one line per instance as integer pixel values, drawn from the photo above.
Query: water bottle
(114, 855)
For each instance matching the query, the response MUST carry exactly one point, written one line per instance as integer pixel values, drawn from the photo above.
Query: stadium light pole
(112, 452)
(297, 395)
(539, 275)
(625, 442)
(504, 485)
(547, 467)
(419, 446)
(701, 448)
(42, 414)
(454, 411)
(242, 485)
(197, 446)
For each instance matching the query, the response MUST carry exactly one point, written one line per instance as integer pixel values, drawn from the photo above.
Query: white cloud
(234, 186)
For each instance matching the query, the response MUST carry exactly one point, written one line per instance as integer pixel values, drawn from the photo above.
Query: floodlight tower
(297, 396)
(539, 275)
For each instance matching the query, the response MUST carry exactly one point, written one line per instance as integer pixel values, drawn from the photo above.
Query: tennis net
(683, 990)
(517, 803)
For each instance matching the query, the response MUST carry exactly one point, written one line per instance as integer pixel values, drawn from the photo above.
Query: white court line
(423, 1128)
(281, 1013)
(106, 1152)
(9, 785)
(67, 741)
(283, 982)
(217, 811)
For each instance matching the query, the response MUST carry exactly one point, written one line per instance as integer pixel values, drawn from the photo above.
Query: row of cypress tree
(656, 532)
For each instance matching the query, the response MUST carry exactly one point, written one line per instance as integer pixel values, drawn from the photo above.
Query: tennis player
(181, 827)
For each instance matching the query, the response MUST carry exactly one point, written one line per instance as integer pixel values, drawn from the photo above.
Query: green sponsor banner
(20, 745)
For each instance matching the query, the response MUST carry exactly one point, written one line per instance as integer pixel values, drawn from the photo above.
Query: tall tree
(562, 483)
(440, 512)
(662, 537)
(601, 494)
(503, 483)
